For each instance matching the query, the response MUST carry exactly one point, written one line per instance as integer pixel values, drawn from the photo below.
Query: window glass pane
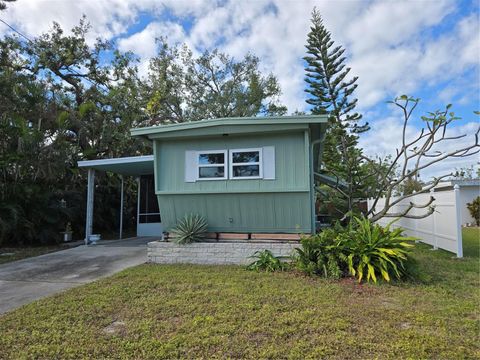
(246, 170)
(204, 159)
(245, 157)
(211, 172)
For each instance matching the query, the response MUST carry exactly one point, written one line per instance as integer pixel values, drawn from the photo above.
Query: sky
(429, 49)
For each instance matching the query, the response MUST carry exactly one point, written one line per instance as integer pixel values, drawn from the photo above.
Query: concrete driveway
(30, 279)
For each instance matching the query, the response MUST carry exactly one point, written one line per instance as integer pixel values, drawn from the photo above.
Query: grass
(471, 239)
(187, 311)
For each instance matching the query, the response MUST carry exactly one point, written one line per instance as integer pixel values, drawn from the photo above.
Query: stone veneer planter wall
(217, 253)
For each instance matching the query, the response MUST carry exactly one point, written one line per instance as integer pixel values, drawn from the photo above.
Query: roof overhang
(232, 126)
(131, 166)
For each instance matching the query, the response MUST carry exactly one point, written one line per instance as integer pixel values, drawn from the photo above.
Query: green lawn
(471, 242)
(186, 311)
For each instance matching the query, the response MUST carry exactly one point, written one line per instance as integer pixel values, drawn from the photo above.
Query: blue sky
(429, 49)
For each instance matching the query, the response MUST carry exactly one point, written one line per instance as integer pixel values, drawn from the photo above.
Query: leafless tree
(415, 155)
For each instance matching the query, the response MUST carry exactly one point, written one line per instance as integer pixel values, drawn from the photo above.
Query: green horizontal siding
(253, 212)
(291, 165)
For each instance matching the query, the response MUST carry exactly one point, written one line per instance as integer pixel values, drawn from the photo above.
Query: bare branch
(420, 152)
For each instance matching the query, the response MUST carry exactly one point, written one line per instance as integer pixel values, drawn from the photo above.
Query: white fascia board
(115, 161)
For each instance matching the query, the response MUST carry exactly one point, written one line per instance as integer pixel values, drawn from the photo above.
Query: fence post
(434, 226)
(415, 224)
(458, 213)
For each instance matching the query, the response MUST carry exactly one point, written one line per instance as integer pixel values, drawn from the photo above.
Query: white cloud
(389, 24)
(109, 18)
(143, 43)
(35, 17)
(385, 41)
(392, 46)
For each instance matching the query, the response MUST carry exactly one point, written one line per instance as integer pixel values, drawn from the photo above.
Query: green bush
(474, 209)
(266, 261)
(191, 228)
(321, 254)
(365, 250)
(373, 251)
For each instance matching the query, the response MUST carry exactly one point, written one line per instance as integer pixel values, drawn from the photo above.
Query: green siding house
(243, 175)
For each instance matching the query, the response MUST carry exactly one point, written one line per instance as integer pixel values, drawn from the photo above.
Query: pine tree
(331, 90)
(327, 77)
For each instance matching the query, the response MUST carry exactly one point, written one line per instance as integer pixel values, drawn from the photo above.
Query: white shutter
(268, 162)
(190, 166)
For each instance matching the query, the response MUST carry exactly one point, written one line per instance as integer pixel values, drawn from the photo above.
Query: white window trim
(231, 164)
(225, 157)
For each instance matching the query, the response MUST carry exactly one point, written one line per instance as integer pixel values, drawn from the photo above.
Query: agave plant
(191, 228)
(373, 251)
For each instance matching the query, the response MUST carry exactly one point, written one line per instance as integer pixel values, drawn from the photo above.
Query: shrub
(365, 250)
(373, 251)
(474, 209)
(321, 254)
(190, 229)
(266, 261)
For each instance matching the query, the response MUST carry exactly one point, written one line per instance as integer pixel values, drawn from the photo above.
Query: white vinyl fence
(442, 229)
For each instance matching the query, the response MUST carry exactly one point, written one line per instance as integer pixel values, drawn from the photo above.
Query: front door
(149, 222)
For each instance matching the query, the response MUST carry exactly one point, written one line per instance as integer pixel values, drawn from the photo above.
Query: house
(244, 175)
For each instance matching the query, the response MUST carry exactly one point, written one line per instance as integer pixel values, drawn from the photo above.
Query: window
(211, 165)
(255, 163)
(246, 164)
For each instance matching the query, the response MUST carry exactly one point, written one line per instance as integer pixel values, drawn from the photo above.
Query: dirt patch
(353, 287)
(405, 326)
(115, 328)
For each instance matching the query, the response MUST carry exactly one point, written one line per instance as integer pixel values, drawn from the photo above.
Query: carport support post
(90, 195)
(121, 209)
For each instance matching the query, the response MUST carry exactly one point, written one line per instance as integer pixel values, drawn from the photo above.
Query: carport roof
(133, 165)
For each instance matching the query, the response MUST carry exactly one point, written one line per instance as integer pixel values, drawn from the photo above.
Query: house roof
(133, 165)
(227, 126)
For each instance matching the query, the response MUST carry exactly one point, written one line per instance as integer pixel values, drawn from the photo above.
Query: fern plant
(373, 251)
(191, 228)
(322, 255)
(266, 261)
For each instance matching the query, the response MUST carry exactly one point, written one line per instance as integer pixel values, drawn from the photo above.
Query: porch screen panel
(149, 212)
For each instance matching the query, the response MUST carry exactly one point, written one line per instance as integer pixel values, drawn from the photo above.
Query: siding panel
(290, 164)
(255, 212)
(273, 206)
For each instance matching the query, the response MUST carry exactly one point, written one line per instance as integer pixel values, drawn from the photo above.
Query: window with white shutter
(243, 164)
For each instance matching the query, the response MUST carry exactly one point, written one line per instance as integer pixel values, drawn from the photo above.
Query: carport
(140, 167)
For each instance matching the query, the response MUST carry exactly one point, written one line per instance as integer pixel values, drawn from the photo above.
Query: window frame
(231, 164)
(225, 168)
